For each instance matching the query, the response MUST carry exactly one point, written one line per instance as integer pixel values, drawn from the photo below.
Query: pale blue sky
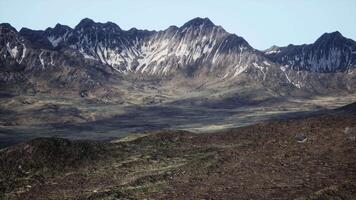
(262, 23)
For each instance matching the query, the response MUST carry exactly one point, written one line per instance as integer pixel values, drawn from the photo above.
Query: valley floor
(305, 158)
(27, 117)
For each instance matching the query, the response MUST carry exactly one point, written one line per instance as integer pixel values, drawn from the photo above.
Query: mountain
(59, 73)
(93, 55)
(330, 53)
(197, 47)
(100, 60)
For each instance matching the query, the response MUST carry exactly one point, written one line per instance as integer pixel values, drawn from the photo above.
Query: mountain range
(92, 56)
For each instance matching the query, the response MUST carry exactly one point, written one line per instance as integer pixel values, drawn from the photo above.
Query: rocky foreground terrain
(303, 158)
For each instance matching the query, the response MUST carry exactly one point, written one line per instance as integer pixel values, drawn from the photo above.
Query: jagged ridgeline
(99, 55)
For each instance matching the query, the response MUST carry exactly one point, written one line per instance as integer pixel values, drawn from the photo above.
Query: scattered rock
(301, 137)
(350, 133)
(27, 101)
(84, 93)
(348, 130)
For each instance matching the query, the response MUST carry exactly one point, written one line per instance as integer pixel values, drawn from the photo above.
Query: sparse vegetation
(256, 162)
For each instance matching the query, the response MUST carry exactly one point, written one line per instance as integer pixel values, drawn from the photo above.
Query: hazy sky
(262, 23)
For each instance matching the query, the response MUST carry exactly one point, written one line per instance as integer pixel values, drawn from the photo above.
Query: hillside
(303, 158)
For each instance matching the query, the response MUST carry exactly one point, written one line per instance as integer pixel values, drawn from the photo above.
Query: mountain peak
(60, 26)
(198, 21)
(89, 23)
(84, 23)
(329, 37)
(111, 25)
(7, 26)
(335, 34)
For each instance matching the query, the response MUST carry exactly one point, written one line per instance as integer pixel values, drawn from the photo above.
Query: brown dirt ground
(263, 161)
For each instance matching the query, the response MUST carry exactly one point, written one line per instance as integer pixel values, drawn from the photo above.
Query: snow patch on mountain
(266, 63)
(23, 53)
(41, 59)
(13, 51)
(284, 69)
(261, 68)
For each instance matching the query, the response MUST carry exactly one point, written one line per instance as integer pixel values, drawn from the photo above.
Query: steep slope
(198, 46)
(197, 52)
(332, 52)
(12, 50)
(29, 63)
(101, 55)
(329, 64)
(197, 49)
